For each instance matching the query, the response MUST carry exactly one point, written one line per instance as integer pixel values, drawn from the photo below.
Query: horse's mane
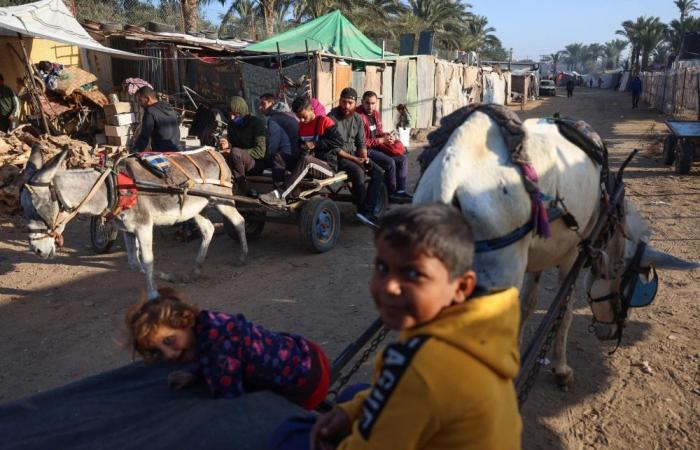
(510, 124)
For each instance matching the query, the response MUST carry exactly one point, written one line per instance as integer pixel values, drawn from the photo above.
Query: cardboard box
(121, 141)
(118, 131)
(122, 119)
(117, 108)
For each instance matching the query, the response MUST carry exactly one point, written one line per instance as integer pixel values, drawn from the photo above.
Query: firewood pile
(14, 154)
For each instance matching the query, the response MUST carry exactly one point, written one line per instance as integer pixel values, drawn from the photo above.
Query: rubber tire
(98, 230)
(669, 153)
(382, 201)
(684, 157)
(253, 228)
(311, 212)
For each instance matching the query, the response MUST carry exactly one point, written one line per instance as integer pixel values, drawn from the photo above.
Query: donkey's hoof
(239, 262)
(564, 380)
(166, 276)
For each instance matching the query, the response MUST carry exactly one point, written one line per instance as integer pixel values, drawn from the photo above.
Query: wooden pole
(279, 68)
(697, 90)
(35, 94)
(308, 67)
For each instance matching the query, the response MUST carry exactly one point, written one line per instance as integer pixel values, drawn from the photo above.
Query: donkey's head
(41, 204)
(623, 273)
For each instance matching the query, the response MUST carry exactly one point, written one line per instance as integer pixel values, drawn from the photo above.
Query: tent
(332, 33)
(50, 19)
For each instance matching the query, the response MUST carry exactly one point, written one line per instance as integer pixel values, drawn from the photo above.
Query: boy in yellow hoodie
(447, 383)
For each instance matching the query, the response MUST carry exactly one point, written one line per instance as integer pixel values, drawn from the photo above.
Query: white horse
(474, 171)
(51, 197)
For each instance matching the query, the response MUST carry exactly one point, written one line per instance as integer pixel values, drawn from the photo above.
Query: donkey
(51, 197)
(473, 168)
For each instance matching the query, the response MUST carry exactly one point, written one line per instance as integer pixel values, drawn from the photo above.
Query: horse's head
(40, 203)
(623, 273)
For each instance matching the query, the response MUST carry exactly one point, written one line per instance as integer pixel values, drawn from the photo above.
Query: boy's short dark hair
(301, 103)
(438, 229)
(146, 91)
(268, 97)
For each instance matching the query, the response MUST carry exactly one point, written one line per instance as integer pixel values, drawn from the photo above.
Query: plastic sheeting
(132, 408)
(50, 19)
(260, 80)
(388, 99)
(332, 33)
(426, 91)
(494, 88)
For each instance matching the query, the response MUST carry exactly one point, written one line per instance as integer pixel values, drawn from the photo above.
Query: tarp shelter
(332, 34)
(50, 19)
(131, 408)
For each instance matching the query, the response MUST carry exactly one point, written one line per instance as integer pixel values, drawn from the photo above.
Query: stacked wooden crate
(121, 124)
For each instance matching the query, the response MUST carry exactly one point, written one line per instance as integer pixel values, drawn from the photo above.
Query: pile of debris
(14, 154)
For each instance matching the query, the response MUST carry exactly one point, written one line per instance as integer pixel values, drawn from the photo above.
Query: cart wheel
(382, 201)
(103, 233)
(320, 224)
(669, 153)
(684, 158)
(254, 226)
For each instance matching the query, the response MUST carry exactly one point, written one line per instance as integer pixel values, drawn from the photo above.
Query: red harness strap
(127, 193)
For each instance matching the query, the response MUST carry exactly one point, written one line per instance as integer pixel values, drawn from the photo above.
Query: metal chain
(544, 350)
(345, 379)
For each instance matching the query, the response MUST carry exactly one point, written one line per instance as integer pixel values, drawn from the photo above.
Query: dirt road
(61, 320)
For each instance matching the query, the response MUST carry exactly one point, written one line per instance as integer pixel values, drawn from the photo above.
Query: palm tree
(555, 60)
(241, 19)
(651, 35)
(676, 31)
(375, 18)
(613, 50)
(479, 36)
(685, 7)
(574, 55)
(591, 54)
(631, 30)
(446, 18)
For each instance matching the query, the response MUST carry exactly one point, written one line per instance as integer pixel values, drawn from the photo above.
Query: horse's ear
(47, 173)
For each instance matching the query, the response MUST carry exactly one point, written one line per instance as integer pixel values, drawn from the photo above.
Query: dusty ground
(61, 320)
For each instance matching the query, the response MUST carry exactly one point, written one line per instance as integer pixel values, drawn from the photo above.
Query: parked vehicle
(547, 87)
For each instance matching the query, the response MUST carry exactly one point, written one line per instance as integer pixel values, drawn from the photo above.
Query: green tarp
(332, 33)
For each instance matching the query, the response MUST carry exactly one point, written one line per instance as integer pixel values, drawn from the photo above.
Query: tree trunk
(268, 11)
(190, 14)
(645, 59)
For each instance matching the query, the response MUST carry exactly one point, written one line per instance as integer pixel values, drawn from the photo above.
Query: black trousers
(364, 198)
(635, 100)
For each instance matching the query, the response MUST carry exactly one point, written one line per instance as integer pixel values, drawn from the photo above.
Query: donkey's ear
(35, 162)
(47, 173)
(36, 157)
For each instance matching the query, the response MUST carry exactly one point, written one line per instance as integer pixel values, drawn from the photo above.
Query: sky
(542, 27)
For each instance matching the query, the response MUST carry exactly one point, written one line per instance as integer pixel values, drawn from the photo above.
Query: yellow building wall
(11, 66)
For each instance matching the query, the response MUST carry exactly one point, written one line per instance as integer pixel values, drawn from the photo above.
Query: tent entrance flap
(51, 19)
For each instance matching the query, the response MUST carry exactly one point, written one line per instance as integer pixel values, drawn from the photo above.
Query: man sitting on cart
(319, 144)
(159, 125)
(246, 143)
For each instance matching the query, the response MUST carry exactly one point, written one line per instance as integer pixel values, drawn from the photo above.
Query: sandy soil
(62, 320)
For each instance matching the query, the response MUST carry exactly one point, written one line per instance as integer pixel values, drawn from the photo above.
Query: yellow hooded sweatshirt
(447, 384)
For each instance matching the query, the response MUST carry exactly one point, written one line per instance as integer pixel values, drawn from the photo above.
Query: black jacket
(160, 126)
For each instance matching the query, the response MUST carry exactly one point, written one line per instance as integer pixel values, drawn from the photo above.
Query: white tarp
(50, 19)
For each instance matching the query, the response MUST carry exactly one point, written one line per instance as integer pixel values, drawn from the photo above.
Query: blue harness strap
(490, 245)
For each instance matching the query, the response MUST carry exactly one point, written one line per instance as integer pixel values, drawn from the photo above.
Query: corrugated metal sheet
(412, 94)
(387, 98)
(358, 81)
(373, 80)
(426, 91)
(400, 82)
